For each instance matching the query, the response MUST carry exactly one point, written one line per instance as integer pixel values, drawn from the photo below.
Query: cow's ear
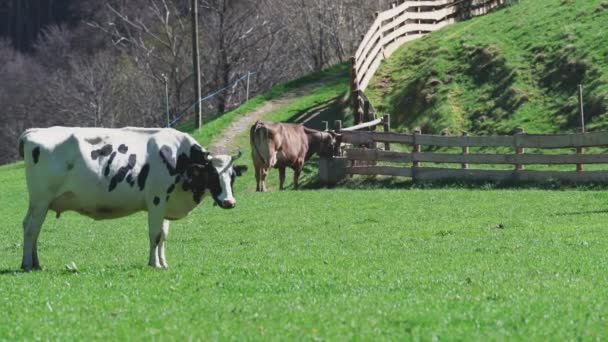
(198, 156)
(240, 169)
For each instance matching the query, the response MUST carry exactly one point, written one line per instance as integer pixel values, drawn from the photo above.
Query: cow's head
(328, 143)
(215, 174)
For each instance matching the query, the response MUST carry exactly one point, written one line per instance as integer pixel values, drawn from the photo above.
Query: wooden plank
(374, 28)
(378, 155)
(380, 170)
(564, 176)
(562, 140)
(368, 137)
(435, 174)
(366, 76)
(462, 141)
(521, 140)
(392, 47)
(363, 125)
(408, 28)
(486, 158)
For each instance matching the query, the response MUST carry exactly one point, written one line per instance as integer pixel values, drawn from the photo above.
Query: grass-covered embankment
(519, 66)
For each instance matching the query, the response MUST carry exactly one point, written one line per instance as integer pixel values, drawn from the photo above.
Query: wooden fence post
(465, 150)
(519, 150)
(366, 114)
(338, 126)
(417, 149)
(356, 106)
(325, 125)
(386, 124)
(580, 167)
(354, 86)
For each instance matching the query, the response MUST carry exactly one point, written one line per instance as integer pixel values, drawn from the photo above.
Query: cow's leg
(32, 223)
(296, 174)
(161, 245)
(258, 184)
(263, 175)
(155, 231)
(281, 177)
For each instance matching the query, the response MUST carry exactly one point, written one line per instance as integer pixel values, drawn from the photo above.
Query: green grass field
(327, 264)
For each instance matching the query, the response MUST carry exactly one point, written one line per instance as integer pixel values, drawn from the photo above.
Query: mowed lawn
(325, 264)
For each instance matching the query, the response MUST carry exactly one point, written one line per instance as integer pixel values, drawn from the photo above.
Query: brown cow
(282, 145)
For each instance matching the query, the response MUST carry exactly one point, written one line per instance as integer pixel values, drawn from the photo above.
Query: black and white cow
(109, 173)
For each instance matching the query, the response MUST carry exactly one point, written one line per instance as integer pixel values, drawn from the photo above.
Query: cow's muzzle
(228, 204)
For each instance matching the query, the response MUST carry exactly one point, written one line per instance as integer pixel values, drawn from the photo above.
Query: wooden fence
(405, 21)
(518, 158)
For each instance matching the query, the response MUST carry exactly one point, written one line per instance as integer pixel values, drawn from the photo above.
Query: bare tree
(154, 33)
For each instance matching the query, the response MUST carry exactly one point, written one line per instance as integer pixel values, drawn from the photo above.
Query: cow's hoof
(30, 268)
(157, 265)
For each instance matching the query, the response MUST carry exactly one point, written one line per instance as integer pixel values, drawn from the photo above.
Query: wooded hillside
(109, 66)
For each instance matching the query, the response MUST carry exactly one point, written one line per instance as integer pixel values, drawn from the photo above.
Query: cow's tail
(259, 138)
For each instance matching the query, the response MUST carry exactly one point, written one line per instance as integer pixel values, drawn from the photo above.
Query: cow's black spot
(183, 161)
(143, 175)
(105, 151)
(156, 200)
(166, 155)
(130, 179)
(70, 166)
(106, 172)
(123, 148)
(122, 173)
(171, 188)
(36, 154)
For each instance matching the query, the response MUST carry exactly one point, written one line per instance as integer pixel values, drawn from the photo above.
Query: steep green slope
(517, 67)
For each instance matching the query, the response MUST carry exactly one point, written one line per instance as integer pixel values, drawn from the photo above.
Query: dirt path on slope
(223, 144)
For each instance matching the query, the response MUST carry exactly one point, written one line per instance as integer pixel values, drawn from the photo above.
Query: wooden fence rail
(419, 170)
(519, 140)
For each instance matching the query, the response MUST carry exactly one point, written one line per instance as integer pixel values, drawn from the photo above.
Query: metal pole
(167, 100)
(581, 150)
(196, 65)
(248, 74)
(580, 104)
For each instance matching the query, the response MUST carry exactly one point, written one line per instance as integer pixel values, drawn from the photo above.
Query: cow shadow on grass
(10, 271)
(65, 271)
(387, 182)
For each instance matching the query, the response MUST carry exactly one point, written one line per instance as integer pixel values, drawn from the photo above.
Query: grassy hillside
(517, 67)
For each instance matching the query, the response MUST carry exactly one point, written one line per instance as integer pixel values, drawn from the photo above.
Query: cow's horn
(237, 156)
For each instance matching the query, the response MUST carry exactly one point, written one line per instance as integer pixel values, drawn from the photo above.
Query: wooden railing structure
(342, 164)
(405, 21)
